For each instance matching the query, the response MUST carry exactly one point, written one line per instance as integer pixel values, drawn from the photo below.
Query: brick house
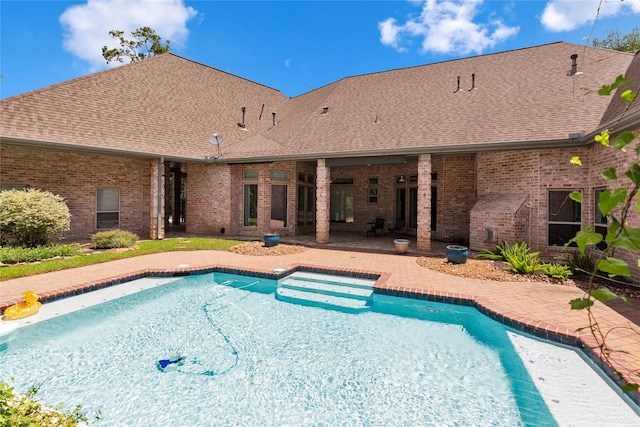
(474, 150)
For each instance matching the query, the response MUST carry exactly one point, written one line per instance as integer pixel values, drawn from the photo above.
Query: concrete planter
(401, 245)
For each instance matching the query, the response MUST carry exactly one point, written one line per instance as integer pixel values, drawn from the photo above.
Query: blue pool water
(251, 359)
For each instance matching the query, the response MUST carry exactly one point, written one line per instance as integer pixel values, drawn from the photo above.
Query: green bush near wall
(113, 239)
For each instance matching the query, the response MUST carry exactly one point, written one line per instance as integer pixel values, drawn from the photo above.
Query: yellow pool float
(30, 306)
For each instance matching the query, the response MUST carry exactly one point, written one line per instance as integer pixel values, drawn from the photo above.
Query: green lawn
(143, 248)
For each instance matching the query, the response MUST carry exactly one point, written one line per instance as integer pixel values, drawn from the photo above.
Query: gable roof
(619, 113)
(163, 106)
(522, 98)
(169, 106)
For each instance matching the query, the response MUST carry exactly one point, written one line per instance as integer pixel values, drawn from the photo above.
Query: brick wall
(264, 182)
(76, 176)
(601, 158)
(507, 172)
(534, 173)
(499, 217)
(456, 184)
(208, 201)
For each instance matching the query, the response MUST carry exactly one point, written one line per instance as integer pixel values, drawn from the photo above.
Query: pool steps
(347, 294)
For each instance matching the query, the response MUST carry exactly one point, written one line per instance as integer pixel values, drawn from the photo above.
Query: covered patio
(357, 241)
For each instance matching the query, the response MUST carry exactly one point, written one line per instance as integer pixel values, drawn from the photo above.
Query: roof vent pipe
(473, 82)
(274, 118)
(574, 65)
(458, 88)
(325, 110)
(242, 125)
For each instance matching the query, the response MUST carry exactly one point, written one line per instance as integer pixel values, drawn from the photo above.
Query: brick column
(424, 202)
(156, 212)
(323, 187)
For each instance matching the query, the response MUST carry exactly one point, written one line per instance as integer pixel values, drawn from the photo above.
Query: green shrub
(556, 271)
(24, 410)
(30, 217)
(113, 239)
(496, 254)
(523, 263)
(15, 254)
(582, 263)
(517, 256)
(520, 260)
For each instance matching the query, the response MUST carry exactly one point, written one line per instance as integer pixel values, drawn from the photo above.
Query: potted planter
(401, 245)
(457, 254)
(271, 239)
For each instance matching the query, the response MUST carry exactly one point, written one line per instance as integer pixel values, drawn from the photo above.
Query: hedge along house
(475, 150)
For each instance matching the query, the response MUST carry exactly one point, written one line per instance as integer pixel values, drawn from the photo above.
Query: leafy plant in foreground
(616, 204)
(23, 410)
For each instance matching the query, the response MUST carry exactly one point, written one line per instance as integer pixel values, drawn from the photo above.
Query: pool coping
(554, 333)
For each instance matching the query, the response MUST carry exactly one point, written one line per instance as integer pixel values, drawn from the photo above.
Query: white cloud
(86, 27)
(567, 15)
(447, 26)
(389, 33)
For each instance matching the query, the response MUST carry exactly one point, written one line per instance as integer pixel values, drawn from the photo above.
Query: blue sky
(292, 46)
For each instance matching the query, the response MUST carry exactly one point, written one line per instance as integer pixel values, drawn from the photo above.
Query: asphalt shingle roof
(170, 106)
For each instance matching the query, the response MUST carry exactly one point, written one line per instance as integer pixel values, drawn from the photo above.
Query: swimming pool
(252, 359)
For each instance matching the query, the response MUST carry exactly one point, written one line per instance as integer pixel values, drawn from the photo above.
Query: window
(250, 205)
(341, 204)
(302, 191)
(600, 223)
(311, 205)
(107, 208)
(278, 206)
(280, 175)
(306, 199)
(250, 174)
(564, 217)
(373, 190)
(373, 195)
